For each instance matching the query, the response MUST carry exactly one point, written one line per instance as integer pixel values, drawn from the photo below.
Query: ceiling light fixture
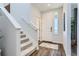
(49, 4)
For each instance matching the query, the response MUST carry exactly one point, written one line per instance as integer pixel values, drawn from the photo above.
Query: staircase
(16, 42)
(26, 44)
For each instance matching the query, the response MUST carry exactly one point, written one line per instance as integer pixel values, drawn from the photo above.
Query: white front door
(48, 22)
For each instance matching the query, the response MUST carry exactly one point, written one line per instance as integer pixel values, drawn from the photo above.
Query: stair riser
(25, 40)
(26, 47)
(21, 32)
(29, 54)
(22, 36)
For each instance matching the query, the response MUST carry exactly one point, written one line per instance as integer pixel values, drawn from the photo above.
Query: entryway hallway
(35, 29)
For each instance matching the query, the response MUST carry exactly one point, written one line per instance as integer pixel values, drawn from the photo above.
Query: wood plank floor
(48, 52)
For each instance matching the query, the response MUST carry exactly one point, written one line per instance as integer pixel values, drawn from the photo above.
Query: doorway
(74, 32)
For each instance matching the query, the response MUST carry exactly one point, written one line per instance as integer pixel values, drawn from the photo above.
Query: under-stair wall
(8, 28)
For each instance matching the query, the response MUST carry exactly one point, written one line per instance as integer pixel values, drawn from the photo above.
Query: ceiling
(46, 6)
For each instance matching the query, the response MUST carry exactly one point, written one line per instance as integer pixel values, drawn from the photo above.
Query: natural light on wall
(56, 23)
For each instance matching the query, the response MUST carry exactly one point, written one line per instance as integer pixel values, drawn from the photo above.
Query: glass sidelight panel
(56, 23)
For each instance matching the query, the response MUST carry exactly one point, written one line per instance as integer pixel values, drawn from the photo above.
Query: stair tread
(22, 35)
(25, 52)
(26, 47)
(24, 38)
(26, 43)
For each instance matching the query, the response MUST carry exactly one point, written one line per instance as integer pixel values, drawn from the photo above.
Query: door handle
(50, 29)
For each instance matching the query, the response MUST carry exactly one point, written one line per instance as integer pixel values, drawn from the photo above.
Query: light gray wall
(21, 10)
(9, 41)
(8, 29)
(3, 4)
(1, 34)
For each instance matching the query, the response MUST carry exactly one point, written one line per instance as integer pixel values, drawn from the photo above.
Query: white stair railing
(32, 31)
(31, 25)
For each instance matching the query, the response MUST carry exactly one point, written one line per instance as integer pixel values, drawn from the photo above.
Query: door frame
(77, 30)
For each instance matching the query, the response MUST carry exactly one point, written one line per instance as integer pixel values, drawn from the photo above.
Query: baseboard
(32, 51)
(49, 42)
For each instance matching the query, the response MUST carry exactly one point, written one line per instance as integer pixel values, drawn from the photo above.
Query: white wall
(64, 33)
(67, 32)
(48, 22)
(22, 12)
(36, 18)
